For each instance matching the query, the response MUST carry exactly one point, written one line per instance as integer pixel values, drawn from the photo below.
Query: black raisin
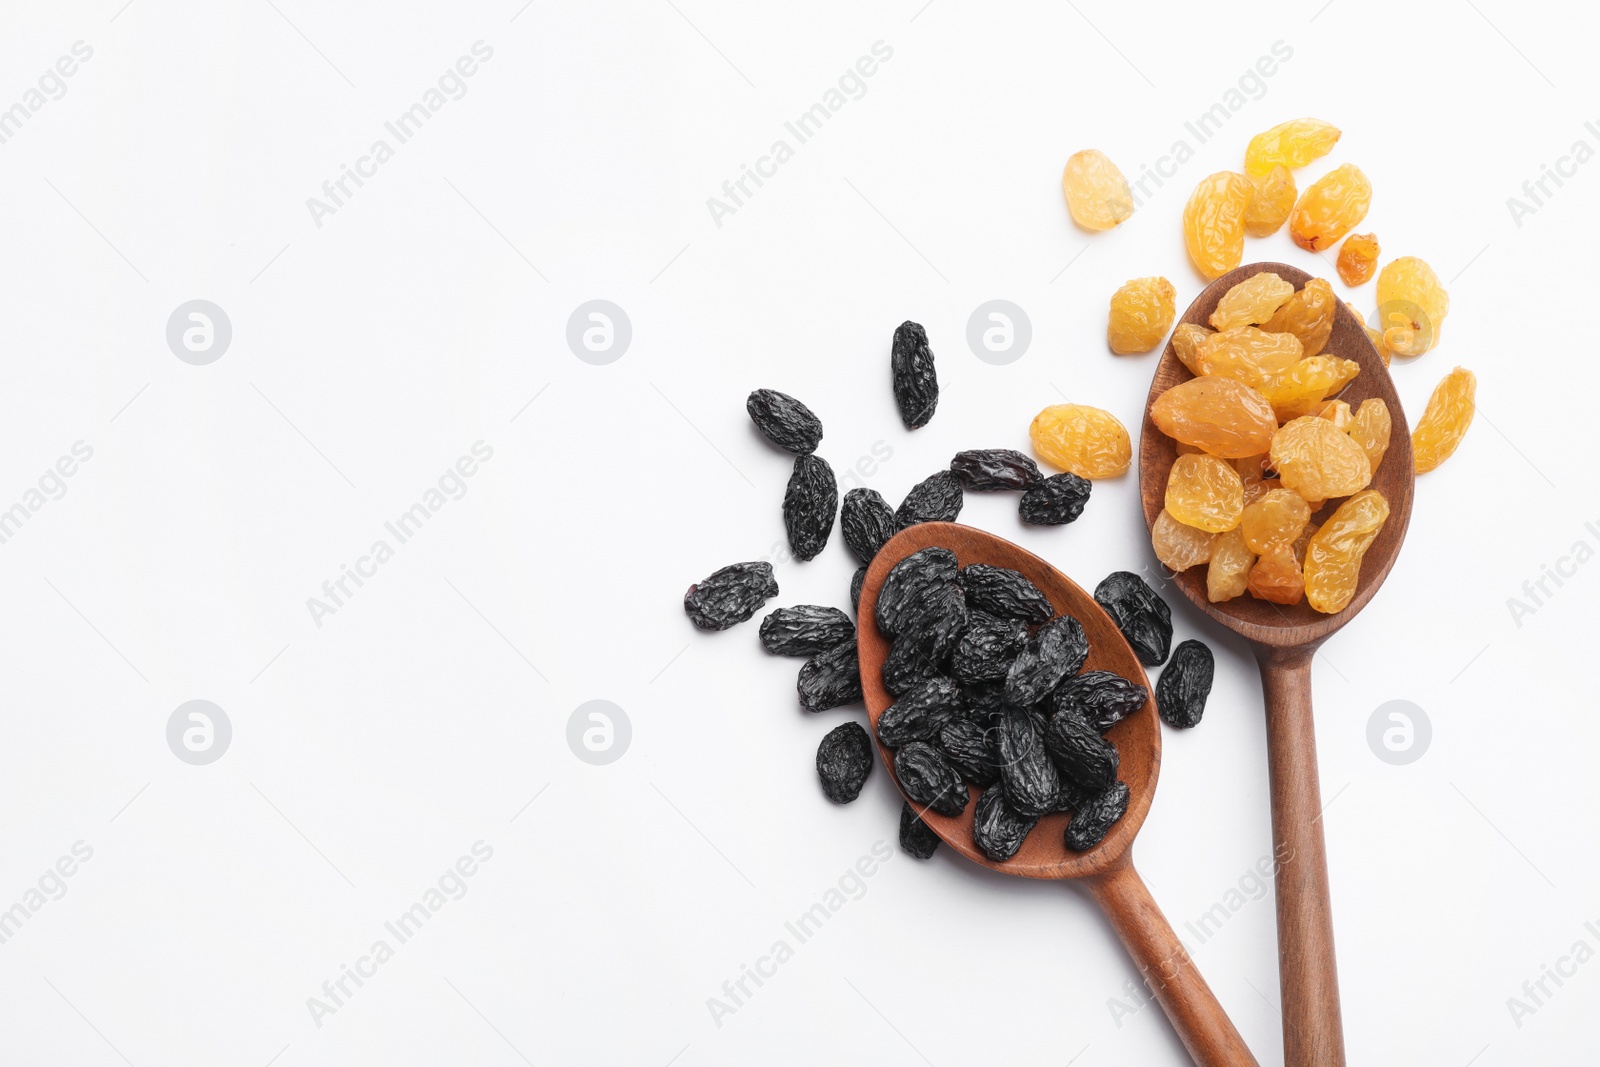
(916, 385)
(867, 521)
(805, 630)
(1141, 615)
(1004, 592)
(1031, 781)
(730, 596)
(855, 588)
(1084, 757)
(916, 837)
(921, 713)
(998, 829)
(988, 647)
(831, 678)
(983, 699)
(905, 667)
(929, 780)
(989, 469)
(784, 421)
(1185, 683)
(937, 498)
(844, 759)
(969, 746)
(1058, 650)
(1094, 817)
(1101, 697)
(1055, 501)
(918, 571)
(935, 620)
(809, 505)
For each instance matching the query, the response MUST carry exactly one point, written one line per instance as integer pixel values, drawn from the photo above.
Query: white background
(371, 352)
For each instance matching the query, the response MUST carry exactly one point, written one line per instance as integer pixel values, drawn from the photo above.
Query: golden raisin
(1338, 413)
(1411, 306)
(1248, 355)
(1204, 492)
(1177, 546)
(1293, 144)
(1302, 389)
(1445, 420)
(1186, 340)
(1358, 258)
(1251, 301)
(1274, 521)
(1228, 572)
(1274, 199)
(1276, 577)
(1303, 541)
(1218, 415)
(1331, 205)
(1370, 429)
(1333, 556)
(1097, 194)
(1316, 460)
(1308, 315)
(1141, 314)
(1087, 441)
(1213, 222)
(1375, 336)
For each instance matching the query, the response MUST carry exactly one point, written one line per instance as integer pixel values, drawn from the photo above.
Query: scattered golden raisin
(1274, 199)
(1308, 315)
(1358, 258)
(1097, 194)
(1316, 460)
(1141, 314)
(1276, 577)
(1274, 521)
(1186, 340)
(1177, 546)
(1445, 420)
(1333, 556)
(1087, 441)
(1293, 144)
(1370, 429)
(1302, 389)
(1218, 415)
(1251, 301)
(1247, 355)
(1228, 572)
(1205, 492)
(1411, 306)
(1213, 222)
(1328, 209)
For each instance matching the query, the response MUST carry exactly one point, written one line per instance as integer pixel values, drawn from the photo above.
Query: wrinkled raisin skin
(1101, 697)
(988, 648)
(916, 384)
(809, 505)
(1055, 501)
(1095, 817)
(916, 837)
(928, 779)
(1141, 615)
(906, 579)
(867, 522)
(844, 760)
(1081, 754)
(784, 421)
(1056, 652)
(921, 713)
(1185, 683)
(730, 596)
(1031, 782)
(988, 470)
(831, 679)
(1005, 592)
(805, 630)
(937, 498)
(969, 746)
(998, 829)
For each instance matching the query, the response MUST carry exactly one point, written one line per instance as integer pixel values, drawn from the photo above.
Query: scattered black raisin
(1141, 615)
(906, 579)
(937, 498)
(809, 504)
(916, 837)
(730, 596)
(905, 667)
(1031, 781)
(1094, 817)
(1055, 501)
(855, 588)
(988, 647)
(1185, 683)
(988, 469)
(831, 679)
(805, 630)
(921, 713)
(969, 746)
(929, 780)
(867, 521)
(1101, 697)
(1058, 650)
(844, 759)
(784, 421)
(1084, 757)
(916, 385)
(997, 829)
(1004, 592)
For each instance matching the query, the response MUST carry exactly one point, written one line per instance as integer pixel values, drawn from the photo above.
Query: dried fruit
(916, 836)
(934, 622)
(989, 469)
(1309, 315)
(1314, 459)
(1205, 492)
(1097, 194)
(906, 667)
(1102, 698)
(1141, 314)
(1292, 144)
(969, 746)
(1251, 301)
(928, 779)
(921, 713)
(1081, 754)
(730, 596)
(1059, 649)
(1031, 782)
(1185, 683)
(1274, 521)
(1369, 428)
(987, 649)
(1445, 420)
(1274, 199)
(805, 630)
(856, 581)
(1328, 209)
(1141, 615)
(809, 504)
(1334, 554)
(1178, 546)
(1338, 413)
(1219, 415)
(1004, 592)
(1186, 342)
(919, 571)
(1248, 355)
(1412, 306)
(1087, 441)
(831, 679)
(916, 385)
(784, 421)
(1358, 258)
(844, 760)
(1094, 818)
(1213, 222)
(937, 498)
(1228, 571)
(1301, 391)
(1374, 335)
(997, 828)
(1276, 577)
(1055, 501)
(867, 522)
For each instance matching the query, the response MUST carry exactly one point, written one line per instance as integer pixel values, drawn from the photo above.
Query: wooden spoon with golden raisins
(1284, 638)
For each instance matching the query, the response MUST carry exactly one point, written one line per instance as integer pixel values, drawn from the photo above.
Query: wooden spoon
(1106, 869)
(1284, 640)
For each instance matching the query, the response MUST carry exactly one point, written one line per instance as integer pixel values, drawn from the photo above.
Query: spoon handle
(1202, 1025)
(1308, 981)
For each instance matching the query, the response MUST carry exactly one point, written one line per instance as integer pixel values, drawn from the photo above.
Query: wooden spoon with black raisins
(1036, 847)
(1285, 636)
